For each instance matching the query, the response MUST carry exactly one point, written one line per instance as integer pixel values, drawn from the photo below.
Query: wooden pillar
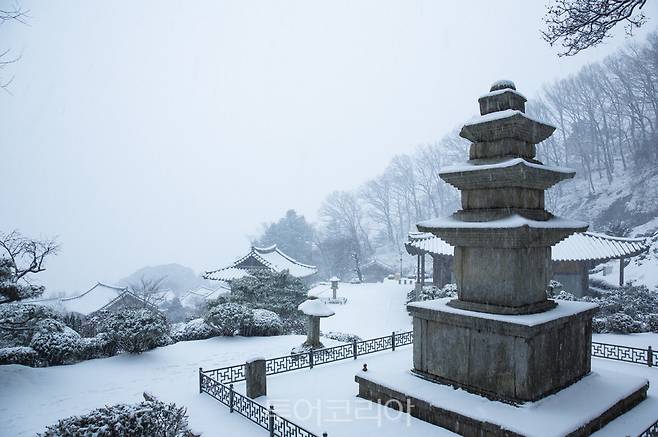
(422, 270)
(418, 268)
(435, 271)
(621, 271)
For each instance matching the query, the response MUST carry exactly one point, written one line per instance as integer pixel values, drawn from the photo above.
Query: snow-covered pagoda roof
(584, 246)
(271, 258)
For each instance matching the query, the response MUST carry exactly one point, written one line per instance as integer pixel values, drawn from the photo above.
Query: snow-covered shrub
(622, 324)
(278, 292)
(294, 325)
(263, 323)
(341, 336)
(149, 418)
(430, 292)
(229, 318)
(652, 322)
(553, 289)
(565, 295)
(56, 343)
(136, 330)
(196, 329)
(102, 345)
(635, 301)
(19, 355)
(599, 325)
(18, 322)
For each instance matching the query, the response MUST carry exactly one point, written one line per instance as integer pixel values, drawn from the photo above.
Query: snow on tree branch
(581, 24)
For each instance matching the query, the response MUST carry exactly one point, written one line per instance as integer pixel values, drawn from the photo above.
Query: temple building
(572, 258)
(262, 258)
(376, 271)
(79, 309)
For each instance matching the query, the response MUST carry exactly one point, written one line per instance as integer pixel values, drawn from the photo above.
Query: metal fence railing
(652, 431)
(627, 354)
(218, 383)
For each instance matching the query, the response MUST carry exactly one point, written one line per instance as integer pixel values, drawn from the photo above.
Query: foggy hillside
(177, 278)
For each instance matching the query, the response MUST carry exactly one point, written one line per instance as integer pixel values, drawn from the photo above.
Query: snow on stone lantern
(334, 285)
(315, 309)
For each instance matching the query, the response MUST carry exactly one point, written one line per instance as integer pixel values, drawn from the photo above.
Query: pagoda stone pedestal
(502, 338)
(508, 358)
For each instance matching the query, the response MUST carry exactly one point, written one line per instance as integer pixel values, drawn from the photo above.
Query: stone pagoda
(501, 338)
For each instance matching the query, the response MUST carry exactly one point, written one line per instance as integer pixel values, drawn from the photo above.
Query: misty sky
(151, 132)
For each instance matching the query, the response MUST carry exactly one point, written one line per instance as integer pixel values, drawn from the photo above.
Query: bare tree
(15, 13)
(150, 290)
(21, 258)
(581, 24)
(344, 213)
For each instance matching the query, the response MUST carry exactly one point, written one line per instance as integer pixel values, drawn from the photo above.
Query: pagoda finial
(502, 84)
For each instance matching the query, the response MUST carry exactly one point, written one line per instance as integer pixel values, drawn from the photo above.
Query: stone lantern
(334, 285)
(315, 310)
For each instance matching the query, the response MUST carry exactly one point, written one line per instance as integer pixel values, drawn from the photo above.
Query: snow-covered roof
(375, 262)
(227, 274)
(597, 247)
(315, 307)
(509, 222)
(201, 294)
(271, 258)
(93, 299)
(425, 242)
(585, 246)
(504, 163)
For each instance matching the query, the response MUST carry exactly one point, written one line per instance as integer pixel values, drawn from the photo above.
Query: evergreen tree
(292, 234)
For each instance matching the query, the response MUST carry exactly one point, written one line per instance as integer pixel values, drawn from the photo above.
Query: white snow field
(372, 310)
(32, 398)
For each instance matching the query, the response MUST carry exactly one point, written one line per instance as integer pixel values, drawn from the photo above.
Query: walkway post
(271, 421)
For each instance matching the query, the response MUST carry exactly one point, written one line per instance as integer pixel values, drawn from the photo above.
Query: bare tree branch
(581, 24)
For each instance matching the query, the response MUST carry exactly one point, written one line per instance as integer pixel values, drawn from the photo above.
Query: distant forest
(606, 117)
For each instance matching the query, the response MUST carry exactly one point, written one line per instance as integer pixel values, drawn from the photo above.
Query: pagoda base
(539, 307)
(578, 410)
(512, 358)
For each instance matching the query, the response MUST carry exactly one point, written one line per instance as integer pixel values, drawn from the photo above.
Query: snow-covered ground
(323, 399)
(372, 310)
(31, 398)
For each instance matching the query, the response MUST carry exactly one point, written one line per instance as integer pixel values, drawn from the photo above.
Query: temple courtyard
(321, 399)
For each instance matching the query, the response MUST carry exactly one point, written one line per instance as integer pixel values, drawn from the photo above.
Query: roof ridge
(98, 283)
(289, 258)
(615, 238)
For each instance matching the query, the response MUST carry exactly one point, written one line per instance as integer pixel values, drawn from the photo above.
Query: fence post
(230, 398)
(354, 348)
(649, 356)
(271, 421)
(310, 358)
(255, 372)
(200, 379)
(393, 340)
